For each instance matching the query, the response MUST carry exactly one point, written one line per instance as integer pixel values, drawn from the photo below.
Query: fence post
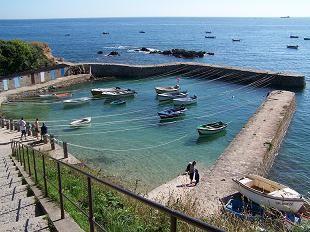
(19, 154)
(11, 124)
(44, 176)
(173, 224)
(7, 124)
(90, 205)
(62, 210)
(28, 159)
(65, 146)
(52, 142)
(34, 166)
(24, 160)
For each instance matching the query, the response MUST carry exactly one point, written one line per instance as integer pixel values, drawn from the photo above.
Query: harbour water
(263, 45)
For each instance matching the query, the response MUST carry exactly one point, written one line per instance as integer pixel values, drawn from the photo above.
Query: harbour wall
(287, 81)
(252, 151)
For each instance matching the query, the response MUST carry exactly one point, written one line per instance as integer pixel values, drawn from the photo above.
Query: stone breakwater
(288, 81)
(252, 151)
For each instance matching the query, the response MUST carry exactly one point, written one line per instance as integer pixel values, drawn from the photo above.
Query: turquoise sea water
(263, 46)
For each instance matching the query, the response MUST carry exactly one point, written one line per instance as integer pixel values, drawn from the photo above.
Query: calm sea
(263, 46)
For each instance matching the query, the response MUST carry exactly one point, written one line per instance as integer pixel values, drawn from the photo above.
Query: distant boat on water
(142, 32)
(236, 40)
(210, 37)
(208, 32)
(285, 17)
(294, 36)
(292, 46)
(307, 38)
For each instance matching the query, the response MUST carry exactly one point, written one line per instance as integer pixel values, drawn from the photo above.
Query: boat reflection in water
(210, 138)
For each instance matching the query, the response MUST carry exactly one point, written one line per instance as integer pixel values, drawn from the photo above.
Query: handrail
(174, 214)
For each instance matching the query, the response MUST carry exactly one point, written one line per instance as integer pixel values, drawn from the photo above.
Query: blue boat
(172, 113)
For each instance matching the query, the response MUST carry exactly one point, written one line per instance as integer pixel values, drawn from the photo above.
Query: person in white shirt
(22, 126)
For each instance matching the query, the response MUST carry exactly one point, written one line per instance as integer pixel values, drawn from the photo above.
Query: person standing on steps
(22, 126)
(190, 169)
(36, 128)
(43, 131)
(196, 176)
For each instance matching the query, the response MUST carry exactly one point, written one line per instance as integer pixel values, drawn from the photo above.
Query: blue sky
(28, 9)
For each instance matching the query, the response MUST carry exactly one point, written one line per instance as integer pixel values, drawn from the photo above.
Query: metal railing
(21, 150)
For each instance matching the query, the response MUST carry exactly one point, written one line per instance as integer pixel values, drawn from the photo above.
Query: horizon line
(115, 17)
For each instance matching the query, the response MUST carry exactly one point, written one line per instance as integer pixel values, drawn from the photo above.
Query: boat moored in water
(63, 95)
(46, 96)
(167, 89)
(236, 40)
(269, 193)
(294, 36)
(292, 46)
(170, 96)
(76, 101)
(98, 91)
(211, 128)
(81, 122)
(185, 101)
(172, 113)
(210, 37)
(307, 38)
(118, 93)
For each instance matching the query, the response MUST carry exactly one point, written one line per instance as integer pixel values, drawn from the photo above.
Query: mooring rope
(129, 149)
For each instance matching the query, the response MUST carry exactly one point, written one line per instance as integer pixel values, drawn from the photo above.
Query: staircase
(19, 209)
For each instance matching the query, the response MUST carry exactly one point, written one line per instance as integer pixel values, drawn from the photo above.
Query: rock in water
(100, 52)
(113, 53)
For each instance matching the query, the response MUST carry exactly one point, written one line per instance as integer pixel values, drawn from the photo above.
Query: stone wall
(246, 76)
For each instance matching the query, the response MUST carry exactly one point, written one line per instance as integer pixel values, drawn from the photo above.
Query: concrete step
(11, 184)
(8, 174)
(18, 210)
(8, 164)
(9, 168)
(10, 180)
(9, 191)
(32, 224)
(13, 197)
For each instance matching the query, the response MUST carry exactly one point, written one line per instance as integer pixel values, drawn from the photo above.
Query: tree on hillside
(18, 56)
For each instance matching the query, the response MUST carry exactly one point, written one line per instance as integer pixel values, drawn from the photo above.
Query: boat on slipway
(211, 128)
(170, 96)
(167, 89)
(76, 101)
(81, 122)
(269, 193)
(185, 101)
(172, 113)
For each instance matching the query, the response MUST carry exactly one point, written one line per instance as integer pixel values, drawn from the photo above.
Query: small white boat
(76, 101)
(270, 193)
(98, 91)
(81, 122)
(168, 89)
(119, 93)
(170, 96)
(185, 101)
(211, 128)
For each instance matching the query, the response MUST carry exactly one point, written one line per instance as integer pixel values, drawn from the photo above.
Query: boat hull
(208, 132)
(286, 205)
(184, 102)
(169, 89)
(170, 96)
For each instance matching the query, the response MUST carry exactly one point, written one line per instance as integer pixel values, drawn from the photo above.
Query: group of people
(25, 127)
(192, 172)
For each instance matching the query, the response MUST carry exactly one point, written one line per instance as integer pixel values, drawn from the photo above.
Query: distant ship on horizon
(285, 17)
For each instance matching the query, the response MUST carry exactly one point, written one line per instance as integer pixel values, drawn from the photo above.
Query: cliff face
(47, 51)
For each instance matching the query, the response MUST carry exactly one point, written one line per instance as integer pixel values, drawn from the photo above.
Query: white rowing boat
(270, 193)
(76, 101)
(168, 89)
(98, 91)
(185, 101)
(211, 128)
(170, 96)
(81, 122)
(118, 93)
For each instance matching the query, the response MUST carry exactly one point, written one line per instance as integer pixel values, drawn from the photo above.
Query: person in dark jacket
(196, 177)
(43, 131)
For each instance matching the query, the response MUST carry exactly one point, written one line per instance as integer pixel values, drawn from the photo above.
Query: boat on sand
(81, 122)
(211, 128)
(269, 193)
(167, 89)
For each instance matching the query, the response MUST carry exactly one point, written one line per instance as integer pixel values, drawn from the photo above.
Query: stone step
(9, 181)
(11, 184)
(9, 168)
(9, 191)
(13, 197)
(8, 164)
(9, 173)
(31, 224)
(18, 210)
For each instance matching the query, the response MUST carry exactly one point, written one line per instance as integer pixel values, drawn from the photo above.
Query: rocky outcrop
(114, 53)
(181, 53)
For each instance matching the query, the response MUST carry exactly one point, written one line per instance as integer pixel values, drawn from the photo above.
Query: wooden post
(65, 146)
(7, 124)
(11, 124)
(90, 206)
(28, 159)
(52, 142)
(24, 160)
(173, 224)
(62, 210)
(34, 166)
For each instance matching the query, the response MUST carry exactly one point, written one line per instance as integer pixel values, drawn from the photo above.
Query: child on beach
(196, 177)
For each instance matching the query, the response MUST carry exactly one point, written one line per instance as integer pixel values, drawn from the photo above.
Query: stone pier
(252, 151)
